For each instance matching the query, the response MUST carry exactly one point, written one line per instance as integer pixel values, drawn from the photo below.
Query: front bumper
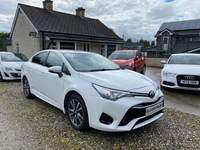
(11, 75)
(125, 114)
(174, 83)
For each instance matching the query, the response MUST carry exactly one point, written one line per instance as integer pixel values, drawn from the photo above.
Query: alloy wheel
(75, 111)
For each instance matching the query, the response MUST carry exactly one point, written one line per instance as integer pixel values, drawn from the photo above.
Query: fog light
(106, 119)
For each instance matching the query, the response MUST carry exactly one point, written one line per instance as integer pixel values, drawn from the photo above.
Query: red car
(129, 59)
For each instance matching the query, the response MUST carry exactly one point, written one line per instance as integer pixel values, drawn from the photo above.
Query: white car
(92, 90)
(181, 71)
(10, 65)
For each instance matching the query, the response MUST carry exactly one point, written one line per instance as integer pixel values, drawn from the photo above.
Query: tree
(153, 43)
(129, 41)
(141, 40)
(2, 34)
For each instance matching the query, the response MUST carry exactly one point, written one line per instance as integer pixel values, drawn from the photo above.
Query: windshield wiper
(103, 69)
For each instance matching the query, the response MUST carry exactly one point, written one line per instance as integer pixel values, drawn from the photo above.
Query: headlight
(126, 65)
(110, 94)
(8, 69)
(168, 74)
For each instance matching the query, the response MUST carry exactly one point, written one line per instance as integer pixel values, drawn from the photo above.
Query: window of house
(39, 59)
(110, 49)
(103, 50)
(191, 39)
(17, 47)
(86, 47)
(67, 45)
(54, 45)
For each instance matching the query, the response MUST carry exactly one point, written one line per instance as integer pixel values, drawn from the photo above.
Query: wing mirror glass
(163, 62)
(56, 69)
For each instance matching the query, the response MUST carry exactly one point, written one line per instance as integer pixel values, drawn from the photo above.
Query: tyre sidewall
(84, 126)
(29, 94)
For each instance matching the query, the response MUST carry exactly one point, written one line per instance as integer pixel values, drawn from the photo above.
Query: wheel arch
(67, 97)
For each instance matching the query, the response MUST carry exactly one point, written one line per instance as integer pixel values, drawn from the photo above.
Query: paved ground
(185, 101)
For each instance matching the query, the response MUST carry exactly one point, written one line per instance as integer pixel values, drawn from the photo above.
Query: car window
(122, 55)
(140, 55)
(54, 60)
(89, 62)
(13, 57)
(185, 59)
(137, 54)
(39, 58)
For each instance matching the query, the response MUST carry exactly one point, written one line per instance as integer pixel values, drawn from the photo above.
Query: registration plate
(189, 82)
(154, 108)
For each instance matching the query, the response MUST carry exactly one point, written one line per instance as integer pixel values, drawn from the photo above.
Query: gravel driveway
(33, 124)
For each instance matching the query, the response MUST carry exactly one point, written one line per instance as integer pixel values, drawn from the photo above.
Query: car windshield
(13, 57)
(85, 62)
(185, 59)
(122, 55)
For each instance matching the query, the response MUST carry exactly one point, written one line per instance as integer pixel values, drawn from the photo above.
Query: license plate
(154, 108)
(189, 82)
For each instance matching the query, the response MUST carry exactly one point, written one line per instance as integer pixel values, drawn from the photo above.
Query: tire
(1, 77)
(134, 69)
(144, 70)
(26, 88)
(77, 113)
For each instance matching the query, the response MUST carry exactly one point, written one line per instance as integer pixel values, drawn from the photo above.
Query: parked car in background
(181, 71)
(129, 59)
(92, 90)
(10, 65)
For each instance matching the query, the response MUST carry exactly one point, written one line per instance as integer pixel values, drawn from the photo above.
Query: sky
(133, 19)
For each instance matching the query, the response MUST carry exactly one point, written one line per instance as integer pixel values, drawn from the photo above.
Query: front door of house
(165, 43)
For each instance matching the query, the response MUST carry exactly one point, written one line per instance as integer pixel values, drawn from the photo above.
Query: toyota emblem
(151, 94)
(189, 77)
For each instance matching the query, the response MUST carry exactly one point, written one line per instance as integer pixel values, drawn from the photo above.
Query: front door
(165, 43)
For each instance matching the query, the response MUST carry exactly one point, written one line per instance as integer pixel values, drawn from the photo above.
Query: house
(36, 29)
(5, 42)
(177, 37)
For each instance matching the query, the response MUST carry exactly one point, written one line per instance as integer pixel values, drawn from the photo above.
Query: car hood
(118, 79)
(121, 62)
(182, 69)
(15, 65)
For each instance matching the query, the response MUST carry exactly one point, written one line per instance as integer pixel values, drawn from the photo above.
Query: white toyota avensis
(10, 65)
(181, 71)
(92, 90)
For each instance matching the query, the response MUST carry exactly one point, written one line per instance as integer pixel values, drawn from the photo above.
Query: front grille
(138, 111)
(15, 74)
(18, 69)
(148, 117)
(191, 78)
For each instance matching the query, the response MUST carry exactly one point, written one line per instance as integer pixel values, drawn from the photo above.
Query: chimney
(80, 12)
(48, 4)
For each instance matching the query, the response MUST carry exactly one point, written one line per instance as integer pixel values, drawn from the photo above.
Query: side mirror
(163, 62)
(137, 57)
(56, 69)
